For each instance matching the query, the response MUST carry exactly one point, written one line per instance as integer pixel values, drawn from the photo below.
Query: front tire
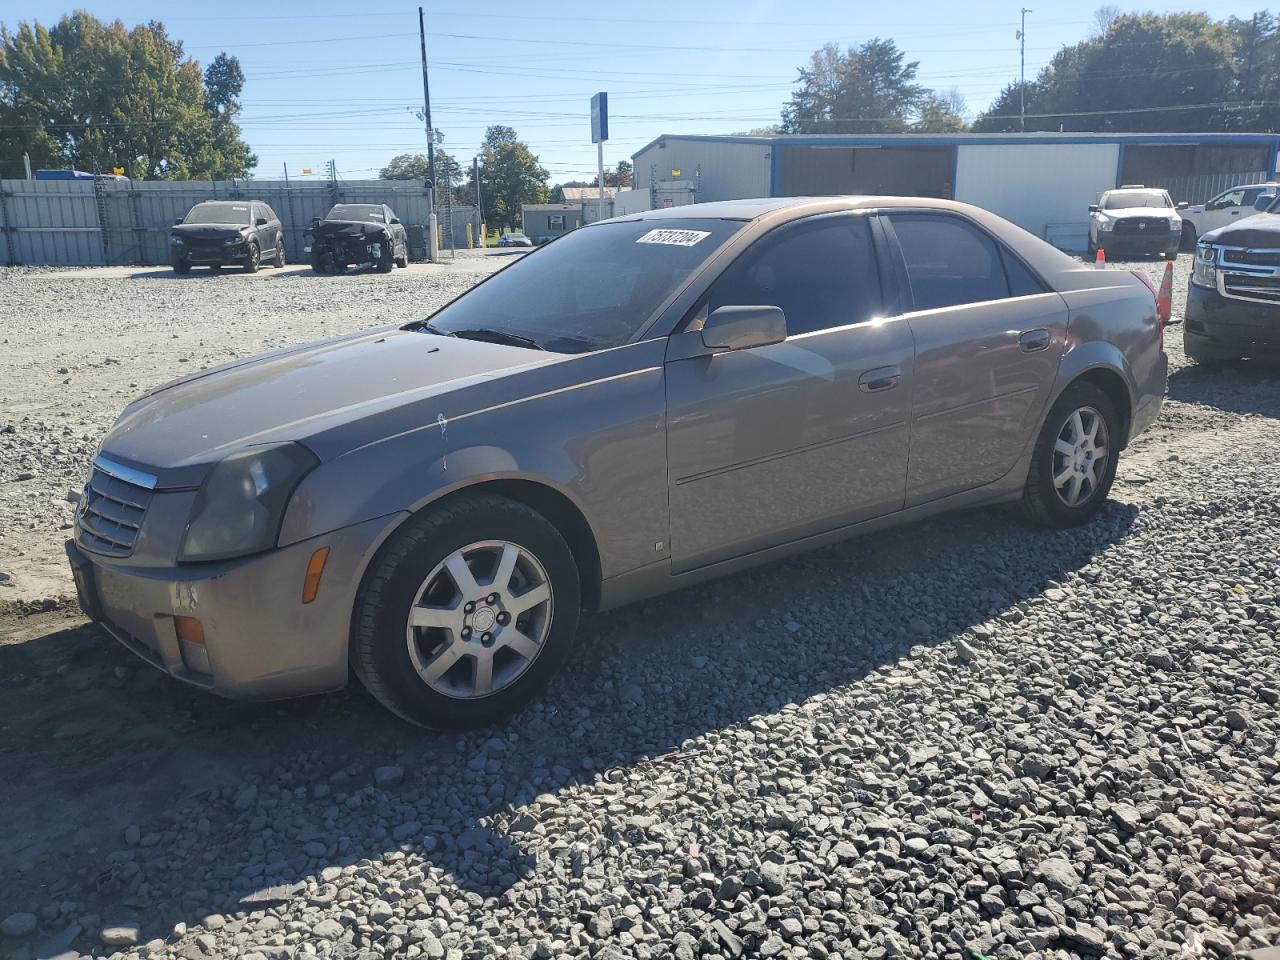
(1074, 463)
(387, 260)
(181, 267)
(466, 613)
(1188, 236)
(253, 259)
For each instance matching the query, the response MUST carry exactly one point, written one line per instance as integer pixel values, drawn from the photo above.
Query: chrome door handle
(1033, 340)
(881, 378)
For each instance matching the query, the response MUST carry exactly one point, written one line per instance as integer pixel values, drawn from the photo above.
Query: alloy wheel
(479, 619)
(1080, 456)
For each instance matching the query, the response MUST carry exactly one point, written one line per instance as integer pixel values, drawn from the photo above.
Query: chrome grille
(1266, 258)
(1246, 273)
(112, 507)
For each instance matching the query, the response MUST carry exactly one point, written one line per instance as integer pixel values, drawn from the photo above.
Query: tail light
(1162, 316)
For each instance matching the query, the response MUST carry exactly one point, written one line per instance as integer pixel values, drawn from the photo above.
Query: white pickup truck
(1226, 208)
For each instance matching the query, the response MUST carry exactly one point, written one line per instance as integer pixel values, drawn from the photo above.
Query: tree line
(96, 96)
(1179, 72)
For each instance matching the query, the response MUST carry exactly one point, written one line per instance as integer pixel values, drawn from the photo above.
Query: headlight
(240, 506)
(1205, 272)
(232, 241)
(1104, 224)
(176, 241)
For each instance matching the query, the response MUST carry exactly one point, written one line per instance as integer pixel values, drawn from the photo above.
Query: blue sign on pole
(600, 117)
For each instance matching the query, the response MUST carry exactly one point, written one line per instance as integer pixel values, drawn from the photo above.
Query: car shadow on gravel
(130, 796)
(1241, 386)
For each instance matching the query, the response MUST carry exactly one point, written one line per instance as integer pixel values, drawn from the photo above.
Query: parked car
(645, 404)
(1227, 207)
(216, 233)
(357, 234)
(514, 240)
(1233, 300)
(1135, 220)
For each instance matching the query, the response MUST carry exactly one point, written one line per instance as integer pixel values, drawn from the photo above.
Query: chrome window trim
(129, 475)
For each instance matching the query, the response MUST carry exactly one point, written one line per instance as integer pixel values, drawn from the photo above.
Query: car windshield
(356, 211)
(218, 213)
(1120, 199)
(591, 289)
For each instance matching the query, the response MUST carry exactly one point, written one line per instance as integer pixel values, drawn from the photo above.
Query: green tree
(1147, 72)
(940, 113)
(414, 166)
(867, 89)
(96, 95)
(510, 176)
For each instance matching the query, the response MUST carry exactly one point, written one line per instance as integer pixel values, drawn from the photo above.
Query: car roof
(787, 208)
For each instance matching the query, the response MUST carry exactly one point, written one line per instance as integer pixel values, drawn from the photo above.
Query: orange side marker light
(315, 567)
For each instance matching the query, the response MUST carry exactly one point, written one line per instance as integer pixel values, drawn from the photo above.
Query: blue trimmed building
(1041, 181)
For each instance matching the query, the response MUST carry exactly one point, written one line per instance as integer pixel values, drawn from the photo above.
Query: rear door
(988, 336)
(778, 442)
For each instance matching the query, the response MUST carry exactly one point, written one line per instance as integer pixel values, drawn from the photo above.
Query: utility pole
(1022, 80)
(475, 179)
(433, 236)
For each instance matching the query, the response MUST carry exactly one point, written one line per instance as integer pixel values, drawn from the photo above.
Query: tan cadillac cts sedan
(641, 405)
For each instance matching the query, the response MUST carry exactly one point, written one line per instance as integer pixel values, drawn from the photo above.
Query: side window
(269, 213)
(822, 274)
(1251, 196)
(949, 262)
(1232, 198)
(1022, 282)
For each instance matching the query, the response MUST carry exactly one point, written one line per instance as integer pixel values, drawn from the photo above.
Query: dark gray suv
(216, 233)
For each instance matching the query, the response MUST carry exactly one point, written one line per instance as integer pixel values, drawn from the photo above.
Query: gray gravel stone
(18, 924)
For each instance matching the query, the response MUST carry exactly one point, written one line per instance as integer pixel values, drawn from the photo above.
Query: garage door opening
(1194, 172)
(886, 171)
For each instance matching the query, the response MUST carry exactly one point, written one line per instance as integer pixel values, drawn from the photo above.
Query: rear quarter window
(949, 262)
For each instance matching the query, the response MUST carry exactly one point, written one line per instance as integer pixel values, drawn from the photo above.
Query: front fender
(600, 442)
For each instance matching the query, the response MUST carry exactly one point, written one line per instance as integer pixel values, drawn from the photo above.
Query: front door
(774, 443)
(989, 336)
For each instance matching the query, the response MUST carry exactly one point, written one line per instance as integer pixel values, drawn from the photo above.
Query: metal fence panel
(76, 222)
(1205, 186)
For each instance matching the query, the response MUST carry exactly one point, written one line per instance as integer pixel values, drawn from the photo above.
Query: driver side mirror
(395, 219)
(1094, 208)
(1182, 205)
(743, 327)
(178, 222)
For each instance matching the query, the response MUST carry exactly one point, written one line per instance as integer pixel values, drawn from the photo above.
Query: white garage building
(1042, 181)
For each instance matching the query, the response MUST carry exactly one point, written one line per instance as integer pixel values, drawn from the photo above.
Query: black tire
(379, 651)
(1189, 237)
(318, 264)
(253, 259)
(1092, 249)
(181, 266)
(387, 262)
(1041, 502)
(402, 261)
(278, 260)
(215, 268)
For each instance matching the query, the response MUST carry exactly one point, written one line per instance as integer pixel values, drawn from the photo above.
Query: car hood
(1259, 230)
(208, 231)
(306, 392)
(1163, 212)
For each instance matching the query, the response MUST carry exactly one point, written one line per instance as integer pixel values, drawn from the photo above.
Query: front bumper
(1138, 243)
(262, 642)
(348, 250)
(1246, 326)
(203, 256)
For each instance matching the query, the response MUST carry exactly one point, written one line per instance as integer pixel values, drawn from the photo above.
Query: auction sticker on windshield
(675, 238)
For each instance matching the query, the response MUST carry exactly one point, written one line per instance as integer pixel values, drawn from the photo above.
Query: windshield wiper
(499, 336)
(426, 326)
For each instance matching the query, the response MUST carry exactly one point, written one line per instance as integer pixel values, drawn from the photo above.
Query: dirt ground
(105, 764)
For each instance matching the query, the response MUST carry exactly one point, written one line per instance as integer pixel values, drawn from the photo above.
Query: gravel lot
(961, 736)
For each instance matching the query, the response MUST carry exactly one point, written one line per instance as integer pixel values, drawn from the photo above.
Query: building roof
(950, 139)
(549, 207)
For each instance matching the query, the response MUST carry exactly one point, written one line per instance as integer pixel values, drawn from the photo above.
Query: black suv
(357, 234)
(1233, 301)
(215, 233)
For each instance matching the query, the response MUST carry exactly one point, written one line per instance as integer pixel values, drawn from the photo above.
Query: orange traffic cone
(1164, 299)
(1100, 261)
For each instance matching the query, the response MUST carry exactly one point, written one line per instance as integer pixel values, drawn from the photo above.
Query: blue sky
(325, 81)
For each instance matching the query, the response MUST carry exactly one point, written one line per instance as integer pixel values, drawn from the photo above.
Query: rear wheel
(467, 613)
(253, 258)
(1074, 463)
(181, 266)
(279, 257)
(387, 259)
(403, 259)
